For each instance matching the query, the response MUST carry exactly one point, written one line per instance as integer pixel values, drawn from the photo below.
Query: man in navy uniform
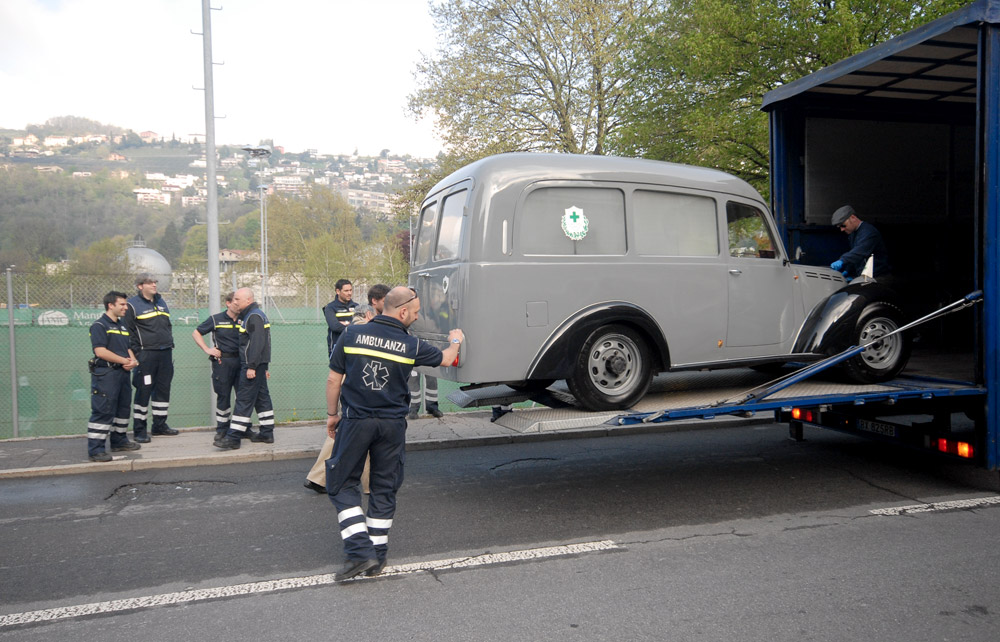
(225, 357)
(148, 323)
(865, 241)
(251, 389)
(367, 400)
(339, 312)
(109, 387)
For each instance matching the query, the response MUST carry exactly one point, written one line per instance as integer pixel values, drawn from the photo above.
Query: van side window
(425, 234)
(749, 236)
(597, 218)
(450, 235)
(669, 224)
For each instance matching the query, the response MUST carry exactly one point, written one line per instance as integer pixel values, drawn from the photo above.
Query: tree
(170, 243)
(106, 257)
(522, 75)
(702, 67)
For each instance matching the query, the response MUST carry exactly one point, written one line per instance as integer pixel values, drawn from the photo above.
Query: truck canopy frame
(943, 75)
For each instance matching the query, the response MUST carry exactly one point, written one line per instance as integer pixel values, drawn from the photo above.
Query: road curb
(126, 465)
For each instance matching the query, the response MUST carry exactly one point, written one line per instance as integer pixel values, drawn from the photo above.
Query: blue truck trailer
(908, 133)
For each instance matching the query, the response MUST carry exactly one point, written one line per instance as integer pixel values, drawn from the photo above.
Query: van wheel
(613, 369)
(884, 359)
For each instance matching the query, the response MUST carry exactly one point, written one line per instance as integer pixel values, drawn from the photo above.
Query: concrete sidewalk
(42, 456)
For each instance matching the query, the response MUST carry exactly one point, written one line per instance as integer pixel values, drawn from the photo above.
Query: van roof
(503, 170)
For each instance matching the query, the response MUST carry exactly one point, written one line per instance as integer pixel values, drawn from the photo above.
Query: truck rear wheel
(612, 370)
(885, 358)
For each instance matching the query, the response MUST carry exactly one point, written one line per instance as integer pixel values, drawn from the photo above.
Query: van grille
(823, 276)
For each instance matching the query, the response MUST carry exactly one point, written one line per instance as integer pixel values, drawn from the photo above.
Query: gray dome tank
(146, 259)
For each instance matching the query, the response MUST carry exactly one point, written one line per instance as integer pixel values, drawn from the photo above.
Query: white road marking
(270, 586)
(927, 508)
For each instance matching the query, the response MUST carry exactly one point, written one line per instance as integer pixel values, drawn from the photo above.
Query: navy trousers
(252, 394)
(225, 375)
(152, 380)
(109, 408)
(366, 536)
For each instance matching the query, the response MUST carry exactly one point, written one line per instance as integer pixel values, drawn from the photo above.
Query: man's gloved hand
(837, 265)
(848, 278)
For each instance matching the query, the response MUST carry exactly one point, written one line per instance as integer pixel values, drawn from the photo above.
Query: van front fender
(830, 325)
(557, 355)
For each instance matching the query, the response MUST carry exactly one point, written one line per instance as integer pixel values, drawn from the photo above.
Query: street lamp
(261, 152)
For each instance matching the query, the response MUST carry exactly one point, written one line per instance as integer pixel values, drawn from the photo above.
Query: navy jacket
(113, 335)
(376, 359)
(866, 241)
(255, 338)
(225, 332)
(336, 311)
(148, 323)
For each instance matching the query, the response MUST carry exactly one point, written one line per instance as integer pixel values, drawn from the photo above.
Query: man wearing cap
(148, 321)
(865, 241)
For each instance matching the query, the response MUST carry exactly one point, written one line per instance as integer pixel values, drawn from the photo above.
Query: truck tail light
(961, 448)
(802, 415)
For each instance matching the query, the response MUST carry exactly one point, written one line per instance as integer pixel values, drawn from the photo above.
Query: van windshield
(425, 234)
(450, 235)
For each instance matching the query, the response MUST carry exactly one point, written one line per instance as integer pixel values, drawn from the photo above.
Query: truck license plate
(877, 427)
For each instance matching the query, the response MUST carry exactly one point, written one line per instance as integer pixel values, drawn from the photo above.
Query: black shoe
(259, 438)
(372, 572)
(165, 432)
(353, 569)
(227, 443)
(128, 445)
(248, 434)
(435, 412)
(100, 457)
(141, 439)
(311, 485)
(412, 414)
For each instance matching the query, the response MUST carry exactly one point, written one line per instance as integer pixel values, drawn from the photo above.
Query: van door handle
(424, 275)
(735, 272)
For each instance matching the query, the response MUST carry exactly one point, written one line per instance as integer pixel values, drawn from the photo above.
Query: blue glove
(837, 265)
(847, 278)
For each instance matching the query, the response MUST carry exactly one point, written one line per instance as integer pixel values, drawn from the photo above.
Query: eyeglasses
(415, 295)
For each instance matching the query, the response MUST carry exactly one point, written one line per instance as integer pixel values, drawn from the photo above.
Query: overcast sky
(326, 74)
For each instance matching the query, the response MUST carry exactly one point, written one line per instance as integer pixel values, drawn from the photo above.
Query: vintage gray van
(604, 271)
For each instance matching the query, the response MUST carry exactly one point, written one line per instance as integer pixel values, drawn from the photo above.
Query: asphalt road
(729, 534)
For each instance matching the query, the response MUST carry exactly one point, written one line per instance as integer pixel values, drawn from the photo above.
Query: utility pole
(212, 218)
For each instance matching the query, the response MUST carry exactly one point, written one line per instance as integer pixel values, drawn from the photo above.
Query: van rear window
(668, 224)
(566, 221)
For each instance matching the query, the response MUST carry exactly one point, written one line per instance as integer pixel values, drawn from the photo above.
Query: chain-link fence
(47, 389)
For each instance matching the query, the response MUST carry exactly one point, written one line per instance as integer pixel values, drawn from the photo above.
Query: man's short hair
(377, 291)
(229, 297)
(145, 277)
(339, 285)
(361, 314)
(112, 297)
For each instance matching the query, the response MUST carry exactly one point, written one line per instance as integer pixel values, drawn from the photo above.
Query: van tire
(612, 370)
(884, 359)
